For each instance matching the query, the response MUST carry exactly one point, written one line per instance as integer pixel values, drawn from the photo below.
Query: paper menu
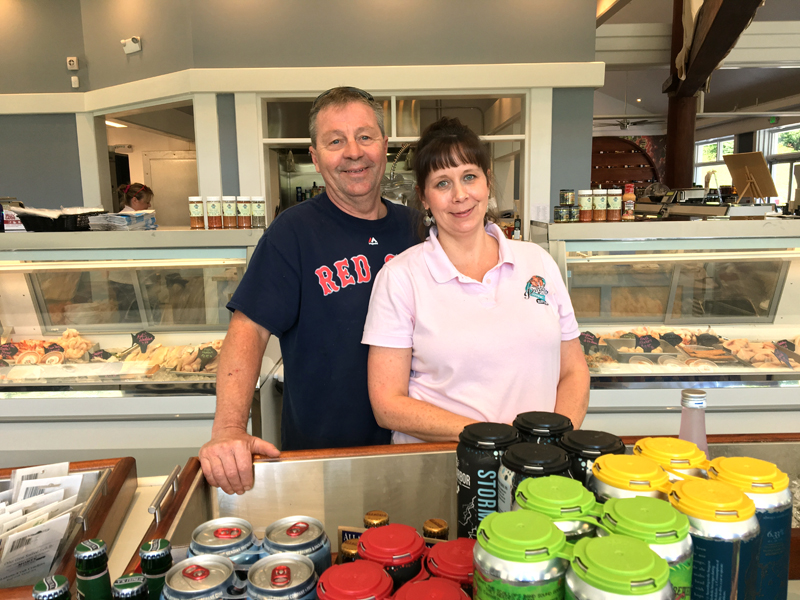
(32, 504)
(31, 473)
(71, 484)
(55, 509)
(26, 556)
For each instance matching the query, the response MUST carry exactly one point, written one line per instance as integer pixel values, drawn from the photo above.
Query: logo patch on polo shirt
(373, 241)
(535, 288)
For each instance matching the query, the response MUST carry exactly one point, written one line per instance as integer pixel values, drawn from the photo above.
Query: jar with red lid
(354, 581)
(454, 561)
(398, 548)
(432, 589)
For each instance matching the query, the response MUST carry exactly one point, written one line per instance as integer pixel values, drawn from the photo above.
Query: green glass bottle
(91, 569)
(54, 587)
(156, 557)
(132, 586)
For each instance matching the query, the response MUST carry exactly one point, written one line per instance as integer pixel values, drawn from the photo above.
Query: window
(708, 157)
(783, 156)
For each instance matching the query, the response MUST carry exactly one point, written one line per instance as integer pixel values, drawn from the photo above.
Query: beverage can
(574, 214)
(431, 589)
(230, 537)
(398, 548)
(525, 460)
(453, 560)
(204, 577)
(539, 427)
(768, 488)
(628, 476)
(285, 575)
(519, 555)
(566, 501)
(478, 454)
(681, 456)
(725, 535)
(355, 580)
(302, 535)
(664, 529)
(566, 197)
(614, 567)
(584, 447)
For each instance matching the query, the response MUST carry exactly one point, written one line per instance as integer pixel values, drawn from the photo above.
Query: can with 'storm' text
(768, 488)
(725, 534)
(303, 535)
(480, 448)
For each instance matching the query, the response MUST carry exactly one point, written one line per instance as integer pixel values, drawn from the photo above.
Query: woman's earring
(429, 220)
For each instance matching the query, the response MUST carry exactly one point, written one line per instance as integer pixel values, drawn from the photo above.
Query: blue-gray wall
(571, 154)
(39, 160)
(228, 152)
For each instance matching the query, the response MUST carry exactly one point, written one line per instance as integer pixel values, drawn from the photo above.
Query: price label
(587, 338)
(53, 348)
(647, 343)
(783, 358)
(143, 339)
(672, 339)
(206, 355)
(789, 345)
(102, 355)
(8, 350)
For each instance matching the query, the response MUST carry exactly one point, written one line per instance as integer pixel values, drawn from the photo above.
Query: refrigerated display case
(728, 291)
(109, 342)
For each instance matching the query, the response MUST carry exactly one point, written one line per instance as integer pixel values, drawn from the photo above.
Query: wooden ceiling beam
(719, 25)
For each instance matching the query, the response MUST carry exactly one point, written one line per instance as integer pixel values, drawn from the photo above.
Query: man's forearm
(238, 372)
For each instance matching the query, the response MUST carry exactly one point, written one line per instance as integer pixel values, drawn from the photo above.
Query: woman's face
(458, 198)
(142, 203)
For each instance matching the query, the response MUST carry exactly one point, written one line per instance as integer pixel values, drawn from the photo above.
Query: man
(309, 283)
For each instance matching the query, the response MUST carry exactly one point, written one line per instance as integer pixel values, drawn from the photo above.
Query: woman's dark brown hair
(445, 144)
(129, 191)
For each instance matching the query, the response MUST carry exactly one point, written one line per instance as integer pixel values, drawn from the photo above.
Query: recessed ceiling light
(638, 99)
(112, 124)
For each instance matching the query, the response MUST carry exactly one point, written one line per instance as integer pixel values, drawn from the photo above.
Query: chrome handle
(172, 481)
(100, 488)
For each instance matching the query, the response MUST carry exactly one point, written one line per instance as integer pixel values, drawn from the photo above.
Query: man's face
(350, 153)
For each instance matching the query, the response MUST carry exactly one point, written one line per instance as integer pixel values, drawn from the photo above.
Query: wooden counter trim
(734, 438)
(121, 480)
(170, 506)
(358, 451)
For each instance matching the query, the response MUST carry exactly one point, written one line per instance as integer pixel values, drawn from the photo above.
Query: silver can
(205, 577)
(580, 590)
(573, 530)
(302, 535)
(229, 537)
(603, 491)
(495, 572)
(285, 575)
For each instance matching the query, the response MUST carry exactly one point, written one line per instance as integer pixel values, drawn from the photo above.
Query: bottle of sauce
(229, 212)
(628, 203)
(585, 205)
(196, 217)
(214, 212)
(243, 214)
(599, 205)
(614, 205)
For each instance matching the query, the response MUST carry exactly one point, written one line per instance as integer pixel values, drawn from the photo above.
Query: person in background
(309, 283)
(134, 197)
(468, 326)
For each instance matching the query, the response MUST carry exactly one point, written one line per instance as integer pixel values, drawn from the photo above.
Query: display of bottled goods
(629, 203)
(229, 220)
(155, 558)
(258, 208)
(599, 205)
(480, 448)
(693, 418)
(91, 570)
(131, 586)
(585, 202)
(301, 535)
(525, 460)
(614, 212)
(196, 213)
(54, 587)
(436, 529)
(243, 212)
(227, 212)
(376, 518)
(561, 214)
(214, 212)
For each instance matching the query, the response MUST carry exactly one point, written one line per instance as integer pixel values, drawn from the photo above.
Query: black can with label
(480, 448)
(542, 427)
(526, 460)
(585, 447)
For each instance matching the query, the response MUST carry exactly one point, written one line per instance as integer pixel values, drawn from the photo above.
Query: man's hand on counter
(227, 459)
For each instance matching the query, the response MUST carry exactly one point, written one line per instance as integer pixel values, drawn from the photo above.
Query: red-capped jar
(399, 549)
(454, 561)
(354, 581)
(432, 589)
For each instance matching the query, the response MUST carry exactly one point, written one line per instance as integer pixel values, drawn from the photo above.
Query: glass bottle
(91, 570)
(693, 418)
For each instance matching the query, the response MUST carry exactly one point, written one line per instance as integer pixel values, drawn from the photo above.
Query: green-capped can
(617, 566)
(570, 505)
(156, 559)
(91, 570)
(132, 586)
(519, 555)
(660, 526)
(55, 587)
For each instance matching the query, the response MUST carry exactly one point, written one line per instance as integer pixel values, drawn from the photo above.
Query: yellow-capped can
(628, 476)
(680, 456)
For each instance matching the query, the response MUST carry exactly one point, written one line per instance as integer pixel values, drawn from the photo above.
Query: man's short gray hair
(342, 96)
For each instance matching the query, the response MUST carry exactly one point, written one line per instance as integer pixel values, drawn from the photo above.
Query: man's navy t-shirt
(309, 283)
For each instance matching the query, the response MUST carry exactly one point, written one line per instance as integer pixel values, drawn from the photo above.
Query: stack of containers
(679, 458)
(523, 461)
(627, 476)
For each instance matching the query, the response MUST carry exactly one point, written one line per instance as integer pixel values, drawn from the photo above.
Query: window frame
(774, 159)
(698, 164)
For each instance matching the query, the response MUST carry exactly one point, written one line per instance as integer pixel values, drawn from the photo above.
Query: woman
(134, 197)
(468, 326)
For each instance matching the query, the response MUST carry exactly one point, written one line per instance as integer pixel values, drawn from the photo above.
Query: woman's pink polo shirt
(487, 350)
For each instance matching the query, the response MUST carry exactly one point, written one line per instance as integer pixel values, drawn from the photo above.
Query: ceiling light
(638, 99)
(112, 124)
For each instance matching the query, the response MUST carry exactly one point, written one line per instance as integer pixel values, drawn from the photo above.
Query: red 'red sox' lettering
(342, 270)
